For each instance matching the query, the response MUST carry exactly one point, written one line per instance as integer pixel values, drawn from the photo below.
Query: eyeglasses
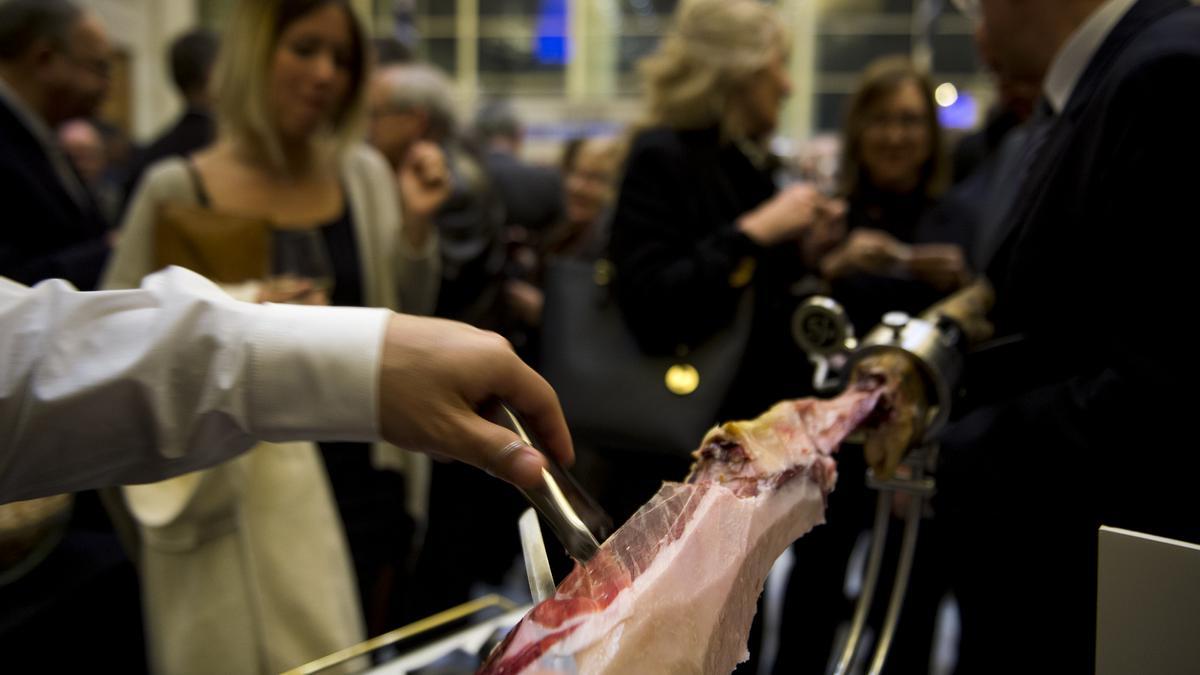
(970, 9)
(98, 66)
(904, 121)
(389, 111)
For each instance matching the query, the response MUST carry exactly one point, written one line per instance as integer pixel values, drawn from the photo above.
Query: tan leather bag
(228, 249)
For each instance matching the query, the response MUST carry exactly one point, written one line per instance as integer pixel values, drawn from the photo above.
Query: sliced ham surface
(674, 589)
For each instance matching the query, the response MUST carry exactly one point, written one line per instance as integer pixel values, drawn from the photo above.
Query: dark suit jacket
(974, 149)
(194, 130)
(676, 247)
(1084, 422)
(532, 195)
(46, 234)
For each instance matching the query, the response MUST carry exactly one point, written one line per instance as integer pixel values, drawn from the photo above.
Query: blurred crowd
(354, 148)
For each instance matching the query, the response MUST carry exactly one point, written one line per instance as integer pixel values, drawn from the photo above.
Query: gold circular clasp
(682, 379)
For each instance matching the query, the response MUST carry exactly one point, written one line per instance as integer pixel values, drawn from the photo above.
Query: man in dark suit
(1077, 418)
(532, 195)
(54, 65)
(192, 57)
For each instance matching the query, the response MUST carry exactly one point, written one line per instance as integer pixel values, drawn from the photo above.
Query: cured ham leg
(675, 588)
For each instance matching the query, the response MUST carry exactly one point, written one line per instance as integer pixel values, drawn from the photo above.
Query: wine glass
(300, 268)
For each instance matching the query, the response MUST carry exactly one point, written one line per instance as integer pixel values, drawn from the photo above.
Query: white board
(1148, 605)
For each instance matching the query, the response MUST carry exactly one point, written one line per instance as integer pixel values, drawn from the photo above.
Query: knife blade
(537, 565)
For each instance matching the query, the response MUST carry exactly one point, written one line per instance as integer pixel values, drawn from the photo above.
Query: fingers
(978, 330)
(803, 192)
(499, 452)
(435, 374)
(832, 207)
(535, 400)
(428, 163)
(289, 290)
(969, 308)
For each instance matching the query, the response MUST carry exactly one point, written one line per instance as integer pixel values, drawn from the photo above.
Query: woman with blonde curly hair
(699, 222)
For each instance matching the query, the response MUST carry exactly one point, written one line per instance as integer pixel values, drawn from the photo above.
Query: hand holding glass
(301, 272)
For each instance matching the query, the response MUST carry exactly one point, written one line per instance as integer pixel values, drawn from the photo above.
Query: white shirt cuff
(314, 372)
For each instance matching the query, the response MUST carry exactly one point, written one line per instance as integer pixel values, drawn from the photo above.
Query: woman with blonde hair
(698, 221)
(245, 566)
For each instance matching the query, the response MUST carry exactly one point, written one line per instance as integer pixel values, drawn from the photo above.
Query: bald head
(23, 23)
(1023, 36)
(55, 56)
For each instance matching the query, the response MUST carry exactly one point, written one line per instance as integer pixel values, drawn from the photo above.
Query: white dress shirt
(133, 386)
(1070, 61)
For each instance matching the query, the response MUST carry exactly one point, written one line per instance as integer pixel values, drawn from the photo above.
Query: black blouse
(682, 265)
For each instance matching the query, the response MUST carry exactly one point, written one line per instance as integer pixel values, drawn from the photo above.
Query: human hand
(425, 184)
(435, 377)
(828, 230)
(968, 308)
(866, 250)
(942, 266)
(292, 290)
(785, 216)
(526, 300)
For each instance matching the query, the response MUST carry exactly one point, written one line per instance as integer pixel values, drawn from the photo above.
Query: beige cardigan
(244, 566)
(395, 275)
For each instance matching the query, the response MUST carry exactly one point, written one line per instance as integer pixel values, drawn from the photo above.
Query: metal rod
(918, 487)
(404, 632)
(867, 595)
(908, 548)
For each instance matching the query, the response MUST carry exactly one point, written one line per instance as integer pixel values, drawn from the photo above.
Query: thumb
(500, 452)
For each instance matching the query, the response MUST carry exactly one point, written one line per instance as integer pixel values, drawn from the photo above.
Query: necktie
(1017, 156)
(71, 180)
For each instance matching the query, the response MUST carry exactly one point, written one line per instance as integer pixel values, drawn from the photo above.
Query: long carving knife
(537, 565)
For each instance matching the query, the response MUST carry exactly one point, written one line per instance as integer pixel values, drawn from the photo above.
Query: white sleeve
(134, 386)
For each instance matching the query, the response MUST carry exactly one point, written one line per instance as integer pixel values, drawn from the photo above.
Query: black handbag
(614, 394)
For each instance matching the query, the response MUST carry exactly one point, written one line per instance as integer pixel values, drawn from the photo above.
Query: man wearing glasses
(54, 66)
(1074, 425)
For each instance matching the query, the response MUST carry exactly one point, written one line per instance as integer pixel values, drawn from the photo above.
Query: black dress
(682, 265)
(371, 502)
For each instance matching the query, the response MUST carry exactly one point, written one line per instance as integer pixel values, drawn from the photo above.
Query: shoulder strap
(197, 183)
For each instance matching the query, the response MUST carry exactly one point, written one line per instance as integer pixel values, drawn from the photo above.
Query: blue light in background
(961, 114)
(550, 39)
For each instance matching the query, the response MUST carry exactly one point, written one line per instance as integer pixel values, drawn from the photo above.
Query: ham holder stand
(821, 329)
